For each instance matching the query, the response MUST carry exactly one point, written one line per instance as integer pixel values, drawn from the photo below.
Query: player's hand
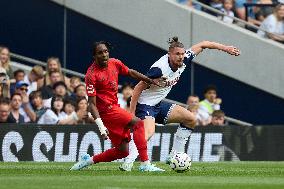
(82, 114)
(25, 98)
(154, 82)
(233, 50)
(218, 101)
(105, 134)
(160, 82)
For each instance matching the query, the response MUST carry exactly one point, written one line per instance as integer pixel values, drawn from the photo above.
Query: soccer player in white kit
(147, 100)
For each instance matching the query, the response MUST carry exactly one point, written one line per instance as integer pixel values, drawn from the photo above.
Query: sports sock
(133, 153)
(110, 155)
(139, 140)
(180, 139)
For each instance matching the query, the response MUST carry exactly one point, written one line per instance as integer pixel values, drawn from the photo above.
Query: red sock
(110, 155)
(139, 140)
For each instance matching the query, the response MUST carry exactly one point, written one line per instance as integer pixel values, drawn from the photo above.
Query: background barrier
(67, 143)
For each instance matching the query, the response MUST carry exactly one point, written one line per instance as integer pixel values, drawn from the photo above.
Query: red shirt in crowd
(103, 83)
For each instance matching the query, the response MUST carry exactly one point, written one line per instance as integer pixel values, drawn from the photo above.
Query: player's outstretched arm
(95, 113)
(136, 94)
(138, 76)
(198, 48)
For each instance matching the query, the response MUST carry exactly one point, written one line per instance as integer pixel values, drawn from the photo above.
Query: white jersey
(161, 68)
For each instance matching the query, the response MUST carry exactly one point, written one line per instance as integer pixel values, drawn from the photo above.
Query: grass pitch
(31, 175)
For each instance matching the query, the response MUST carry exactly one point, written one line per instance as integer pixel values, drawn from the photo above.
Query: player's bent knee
(190, 120)
(124, 154)
(123, 150)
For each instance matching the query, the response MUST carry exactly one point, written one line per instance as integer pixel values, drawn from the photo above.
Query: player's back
(103, 83)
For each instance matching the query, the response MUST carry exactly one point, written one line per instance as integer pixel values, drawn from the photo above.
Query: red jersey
(103, 83)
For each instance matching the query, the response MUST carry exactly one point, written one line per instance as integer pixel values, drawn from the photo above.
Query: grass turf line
(33, 175)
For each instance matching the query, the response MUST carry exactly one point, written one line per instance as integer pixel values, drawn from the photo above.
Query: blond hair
(47, 78)
(5, 65)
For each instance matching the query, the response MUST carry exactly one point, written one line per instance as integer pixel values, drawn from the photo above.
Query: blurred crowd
(42, 95)
(47, 96)
(267, 14)
(207, 111)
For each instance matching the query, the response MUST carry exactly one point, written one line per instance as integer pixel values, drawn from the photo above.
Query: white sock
(180, 139)
(133, 153)
(90, 161)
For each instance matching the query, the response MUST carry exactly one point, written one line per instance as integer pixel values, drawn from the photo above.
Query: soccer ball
(180, 162)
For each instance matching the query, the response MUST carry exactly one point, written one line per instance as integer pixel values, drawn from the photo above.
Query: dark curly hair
(97, 43)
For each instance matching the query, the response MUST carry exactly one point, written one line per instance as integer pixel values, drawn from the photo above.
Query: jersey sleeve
(123, 70)
(90, 85)
(154, 73)
(189, 56)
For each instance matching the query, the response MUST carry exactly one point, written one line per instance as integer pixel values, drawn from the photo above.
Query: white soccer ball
(180, 162)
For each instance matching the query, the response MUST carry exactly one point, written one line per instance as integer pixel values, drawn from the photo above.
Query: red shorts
(116, 121)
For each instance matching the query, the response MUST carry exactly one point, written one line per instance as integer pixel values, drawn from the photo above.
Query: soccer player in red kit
(113, 122)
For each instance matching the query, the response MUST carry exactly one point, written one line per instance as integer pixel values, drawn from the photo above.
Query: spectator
(241, 12)
(16, 103)
(185, 2)
(69, 107)
(127, 91)
(274, 24)
(35, 74)
(18, 76)
(26, 109)
(262, 12)
(53, 64)
(218, 118)
(189, 3)
(80, 91)
(216, 4)
(47, 91)
(37, 104)
(60, 89)
(193, 106)
(5, 61)
(209, 104)
(82, 106)
(192, 100)
(56, 115)
(4, 84)
(74, 82)
(5, 110)
(77, 87)
(228, 10)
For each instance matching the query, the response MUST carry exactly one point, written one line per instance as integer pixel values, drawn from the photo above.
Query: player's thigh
(149, 125)
(117, 117)
(117, 122)
(180, 115)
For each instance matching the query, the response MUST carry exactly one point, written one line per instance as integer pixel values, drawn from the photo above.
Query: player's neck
(101, 65)
(173, 67)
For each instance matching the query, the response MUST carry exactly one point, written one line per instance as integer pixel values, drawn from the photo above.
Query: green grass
(31, 175)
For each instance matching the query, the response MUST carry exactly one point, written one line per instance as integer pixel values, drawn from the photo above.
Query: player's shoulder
(162, 62)
(90, 68)
(114, 61)
(90, 72)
